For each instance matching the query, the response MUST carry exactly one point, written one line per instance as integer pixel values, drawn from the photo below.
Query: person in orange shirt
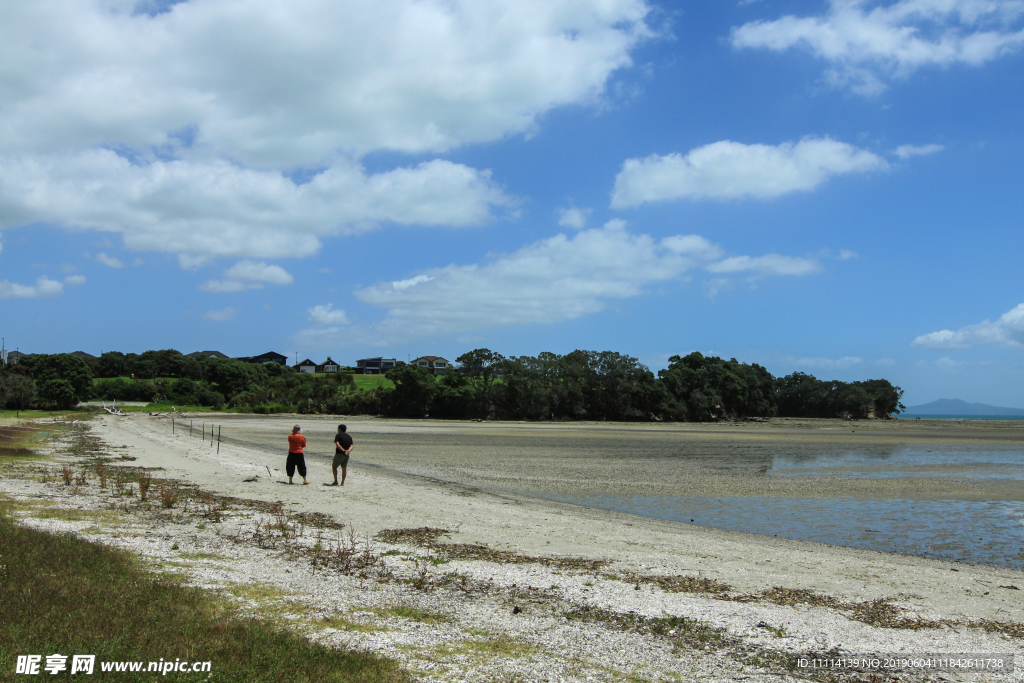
(296, 442)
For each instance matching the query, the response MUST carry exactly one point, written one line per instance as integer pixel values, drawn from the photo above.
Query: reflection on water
(886, 462)
(958, 500)
(974, 531)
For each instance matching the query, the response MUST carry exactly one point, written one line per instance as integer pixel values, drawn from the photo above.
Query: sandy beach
(766, 595)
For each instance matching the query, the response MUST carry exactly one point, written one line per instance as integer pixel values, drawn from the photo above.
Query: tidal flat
(942, 489)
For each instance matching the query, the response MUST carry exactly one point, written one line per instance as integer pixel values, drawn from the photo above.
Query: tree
(231, 376)
(66, 367)
(21, 390)
(112, 364)
(483, 366)
(413, 392)
(885, 396)
(707, 386)
(58, 391)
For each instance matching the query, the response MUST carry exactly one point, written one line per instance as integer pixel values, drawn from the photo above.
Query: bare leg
(335, 476)
(344, 473)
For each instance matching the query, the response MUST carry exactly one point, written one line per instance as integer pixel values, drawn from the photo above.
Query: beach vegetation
(64, 594)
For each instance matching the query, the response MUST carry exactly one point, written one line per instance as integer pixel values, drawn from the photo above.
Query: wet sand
(452, 456)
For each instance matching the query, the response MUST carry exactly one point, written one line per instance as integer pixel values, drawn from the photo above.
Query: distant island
(954, 406)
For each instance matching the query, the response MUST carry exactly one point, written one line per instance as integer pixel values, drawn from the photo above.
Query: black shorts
(340, 460)
(296, 461)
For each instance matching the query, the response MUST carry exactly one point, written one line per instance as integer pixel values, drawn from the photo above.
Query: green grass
(59, 593)
(368, 382)
(30, 414)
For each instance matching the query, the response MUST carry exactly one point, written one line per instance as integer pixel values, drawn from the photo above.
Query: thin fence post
(172, 425)
(190, 427)
(218, 438)
(204, 431)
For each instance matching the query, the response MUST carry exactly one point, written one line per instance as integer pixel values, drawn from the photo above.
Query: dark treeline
(582, 385)
(590, 385)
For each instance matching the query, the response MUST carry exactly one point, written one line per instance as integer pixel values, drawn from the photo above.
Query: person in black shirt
(342, 447)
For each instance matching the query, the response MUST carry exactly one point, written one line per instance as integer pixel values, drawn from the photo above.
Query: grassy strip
(60, 594)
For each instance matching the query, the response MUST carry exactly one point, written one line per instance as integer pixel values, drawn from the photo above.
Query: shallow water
(958, 500)
(973, 531)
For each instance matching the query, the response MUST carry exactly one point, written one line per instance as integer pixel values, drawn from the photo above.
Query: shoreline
(652, 553)
(484, 517)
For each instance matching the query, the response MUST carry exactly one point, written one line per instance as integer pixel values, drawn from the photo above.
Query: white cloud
(215, 105)
(770, 264)
(411, 282)
(732, 170)
(109, 260)
(550, 281)
(325, 315)
(285, 84)
(221, 315)
(867, 42)
(1008, 331)
(573, 217)
(74, 280)
(217, 208)
(44, 288)
(907, 151)
(846, 254)
(248, 275)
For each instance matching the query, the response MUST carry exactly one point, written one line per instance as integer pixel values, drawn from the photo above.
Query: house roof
(206, 354)
(83, 355)
(431, 359)
(270, 354)
(306, 362)
(329, 361)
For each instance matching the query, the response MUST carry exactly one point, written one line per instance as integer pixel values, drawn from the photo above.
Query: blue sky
(830, 187)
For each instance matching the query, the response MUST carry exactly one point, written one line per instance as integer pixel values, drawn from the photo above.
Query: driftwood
(113, 409)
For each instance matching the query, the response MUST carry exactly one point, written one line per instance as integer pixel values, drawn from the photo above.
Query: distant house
(328, 366)
(205, 354)
(306, 366)
(14, 356)
(435, 364)
(83, 355)
(374, 366)
(268, 357)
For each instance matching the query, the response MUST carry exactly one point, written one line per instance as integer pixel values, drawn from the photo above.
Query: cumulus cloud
(573, 217)
(867, 42)
(248, 275)
(44, 288)
(220, 209)
(907, 151)
(283, 84)
(221, 315)
(551, 281)
(219, 111)
(326, 315)
(1007, 330)
(733, 170)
